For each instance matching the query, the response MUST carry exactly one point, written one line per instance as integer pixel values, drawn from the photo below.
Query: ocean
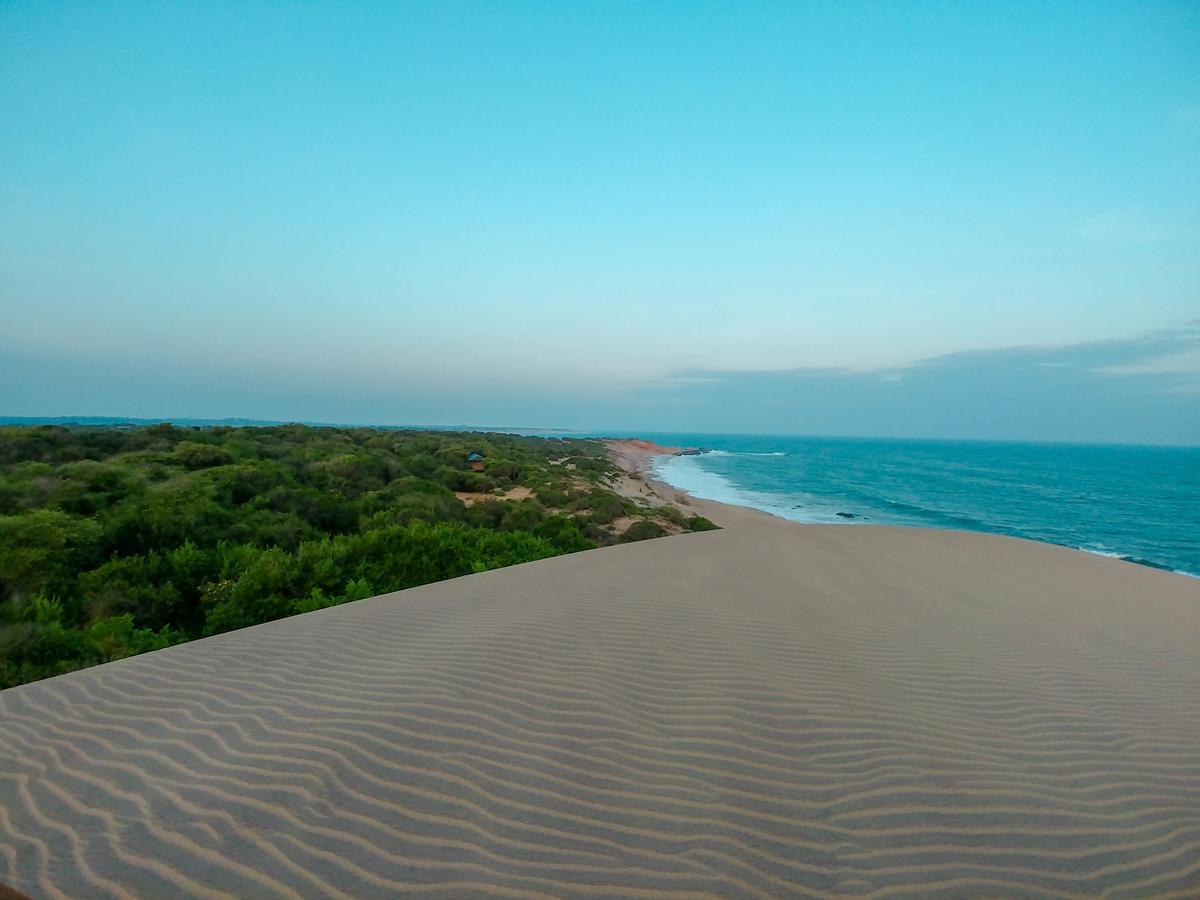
(1137, 503)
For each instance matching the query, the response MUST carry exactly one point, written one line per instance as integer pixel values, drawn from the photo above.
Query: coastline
(636, 457)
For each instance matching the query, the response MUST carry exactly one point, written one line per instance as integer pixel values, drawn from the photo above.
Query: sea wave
(1110, 554)
(1136, 560)
(742, 453)
(1026, 492)
(687, 474)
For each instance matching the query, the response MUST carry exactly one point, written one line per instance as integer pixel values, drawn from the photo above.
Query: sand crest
(767, 710)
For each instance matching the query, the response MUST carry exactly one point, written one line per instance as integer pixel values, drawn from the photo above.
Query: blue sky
(605, 215)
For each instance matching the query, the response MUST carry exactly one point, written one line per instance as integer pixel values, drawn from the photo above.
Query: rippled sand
(771, 709)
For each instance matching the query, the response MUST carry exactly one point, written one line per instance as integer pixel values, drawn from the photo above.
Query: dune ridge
(769, 709)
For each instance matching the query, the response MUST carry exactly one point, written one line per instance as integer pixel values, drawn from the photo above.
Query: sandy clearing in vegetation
(469, 498)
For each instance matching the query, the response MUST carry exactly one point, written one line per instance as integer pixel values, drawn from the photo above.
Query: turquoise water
(1136, 503)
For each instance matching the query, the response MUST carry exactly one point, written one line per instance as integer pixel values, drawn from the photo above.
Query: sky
(895, 219)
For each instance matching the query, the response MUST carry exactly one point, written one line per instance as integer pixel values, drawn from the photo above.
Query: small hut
(475, 461)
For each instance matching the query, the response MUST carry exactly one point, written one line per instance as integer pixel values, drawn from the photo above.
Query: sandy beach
(769, 709)
(636, 457)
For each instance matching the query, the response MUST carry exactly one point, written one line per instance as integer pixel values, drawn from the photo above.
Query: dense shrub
(114, 541)
(643, 530)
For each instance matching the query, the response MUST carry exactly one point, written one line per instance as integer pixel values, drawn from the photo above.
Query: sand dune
(767, 710)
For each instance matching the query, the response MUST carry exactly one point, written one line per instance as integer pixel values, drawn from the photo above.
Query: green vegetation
(115, 541)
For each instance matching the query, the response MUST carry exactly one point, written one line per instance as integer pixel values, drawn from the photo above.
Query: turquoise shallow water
(1135, 503)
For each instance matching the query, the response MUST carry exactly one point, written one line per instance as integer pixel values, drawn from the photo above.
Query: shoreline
(636, 457)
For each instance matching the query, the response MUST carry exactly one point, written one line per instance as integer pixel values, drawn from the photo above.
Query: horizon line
(596, 433)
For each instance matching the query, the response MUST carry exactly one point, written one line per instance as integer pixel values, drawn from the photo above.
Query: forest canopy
(115, 541)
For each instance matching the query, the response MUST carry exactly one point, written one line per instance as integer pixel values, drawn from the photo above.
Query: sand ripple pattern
(770, 710)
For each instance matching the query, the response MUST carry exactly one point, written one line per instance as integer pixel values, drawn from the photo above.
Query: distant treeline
(115, 541)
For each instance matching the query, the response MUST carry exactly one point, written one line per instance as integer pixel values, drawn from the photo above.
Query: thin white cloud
(1186, 362)
(695, 379)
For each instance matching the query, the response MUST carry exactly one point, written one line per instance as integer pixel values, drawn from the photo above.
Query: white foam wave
(743, 453)
(1109, 554)
(1125, 557)
(685, 473)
